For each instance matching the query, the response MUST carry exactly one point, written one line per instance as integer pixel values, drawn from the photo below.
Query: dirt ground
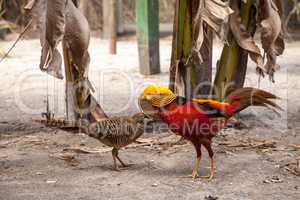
(36, 162)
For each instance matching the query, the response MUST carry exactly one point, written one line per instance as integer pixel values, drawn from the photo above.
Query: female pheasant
(198, 120)
(115, 132)
(118, 132)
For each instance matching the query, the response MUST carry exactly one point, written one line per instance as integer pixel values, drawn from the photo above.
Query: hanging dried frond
(272, 34)
(232, 65)
(269, 16)
(63, 22)
(215, 14)
(192, 43)
(243, 37)
(50, 17)
(51, 59)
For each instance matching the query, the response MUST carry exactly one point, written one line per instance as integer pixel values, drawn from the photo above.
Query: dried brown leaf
(271, 34)
(53, 34)
(215, 14)
(243, 38)
(29, 5)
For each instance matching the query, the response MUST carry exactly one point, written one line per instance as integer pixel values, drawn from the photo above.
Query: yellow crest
(158, 96)
(157, 90)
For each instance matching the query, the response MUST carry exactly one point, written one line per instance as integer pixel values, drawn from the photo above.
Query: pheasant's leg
(116, 152)
(122, 163)
(212, 162)
(212, 169)
(197, 145)
(195, 173)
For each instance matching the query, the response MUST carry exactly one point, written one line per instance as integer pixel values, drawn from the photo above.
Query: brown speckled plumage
(118, 132)
(115, 132)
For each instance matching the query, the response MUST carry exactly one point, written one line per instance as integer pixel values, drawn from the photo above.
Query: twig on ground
(250, 143)
(295, 146)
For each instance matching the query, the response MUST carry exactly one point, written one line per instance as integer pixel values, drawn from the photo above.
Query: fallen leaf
(51, 181)
(295, 146)
(84, 150)
(154, 185)
(144, 140)
(274, 179)
(210, 198)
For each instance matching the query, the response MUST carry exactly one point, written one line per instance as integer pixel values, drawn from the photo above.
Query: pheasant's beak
(146, 97)
(143, 97)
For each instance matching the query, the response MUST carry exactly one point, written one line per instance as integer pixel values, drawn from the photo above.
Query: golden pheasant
(198, 120)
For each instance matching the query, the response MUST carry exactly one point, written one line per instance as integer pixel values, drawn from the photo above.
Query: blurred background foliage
(12, 13)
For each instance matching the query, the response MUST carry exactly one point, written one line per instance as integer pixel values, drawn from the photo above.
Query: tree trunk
(232, 67)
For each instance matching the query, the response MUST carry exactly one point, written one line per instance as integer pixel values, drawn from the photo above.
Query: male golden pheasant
(196, 120)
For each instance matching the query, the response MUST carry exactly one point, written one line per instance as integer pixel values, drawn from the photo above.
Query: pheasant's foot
(195, 173)
(115, 166)
(115, 157)
(212, 171)
(122, 163)
(208, 177)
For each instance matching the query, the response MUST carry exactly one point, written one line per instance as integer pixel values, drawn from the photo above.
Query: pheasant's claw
(195, 174)
(209, 177)
(212, 171)
(126, 166)
(116, 168)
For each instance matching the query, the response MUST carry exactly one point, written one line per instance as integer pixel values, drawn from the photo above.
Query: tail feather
(245, 97)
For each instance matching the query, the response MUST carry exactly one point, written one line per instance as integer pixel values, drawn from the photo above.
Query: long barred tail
(245, 97)
(62, 124)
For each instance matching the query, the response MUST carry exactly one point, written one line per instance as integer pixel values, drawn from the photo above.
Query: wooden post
(120, 17)
(147, 19)
(110, 23)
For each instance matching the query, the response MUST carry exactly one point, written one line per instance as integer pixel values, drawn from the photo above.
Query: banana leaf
(190, 71)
